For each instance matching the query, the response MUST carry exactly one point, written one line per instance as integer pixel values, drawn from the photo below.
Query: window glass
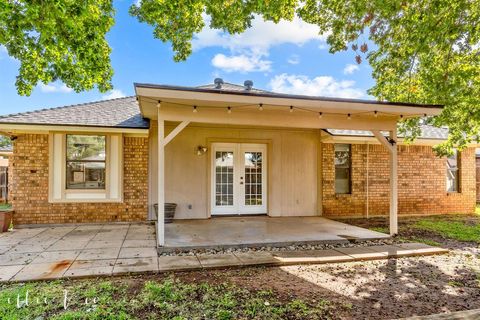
(86, 155)
(453, 180)
(342, 168)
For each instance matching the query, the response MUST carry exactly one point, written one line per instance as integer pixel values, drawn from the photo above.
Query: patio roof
(210, 105)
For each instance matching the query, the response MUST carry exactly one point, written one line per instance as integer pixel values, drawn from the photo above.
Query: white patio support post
(391, 144)
(161, 181)
(162, 142)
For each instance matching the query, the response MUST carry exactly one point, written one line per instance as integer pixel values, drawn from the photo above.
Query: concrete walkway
(94, 250)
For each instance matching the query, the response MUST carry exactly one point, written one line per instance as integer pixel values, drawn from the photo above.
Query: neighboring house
(225, 150)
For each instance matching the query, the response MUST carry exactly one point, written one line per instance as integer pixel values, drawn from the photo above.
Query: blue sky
(290, 57)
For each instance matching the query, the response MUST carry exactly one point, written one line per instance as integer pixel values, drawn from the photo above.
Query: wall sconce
(201, 150)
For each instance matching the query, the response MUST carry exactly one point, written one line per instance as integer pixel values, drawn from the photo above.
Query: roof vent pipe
(218, 83)
(248, 84)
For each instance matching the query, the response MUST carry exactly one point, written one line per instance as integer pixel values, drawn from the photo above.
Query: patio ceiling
(177, 104)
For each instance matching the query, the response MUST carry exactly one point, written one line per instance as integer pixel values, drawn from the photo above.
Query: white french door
(239, 178)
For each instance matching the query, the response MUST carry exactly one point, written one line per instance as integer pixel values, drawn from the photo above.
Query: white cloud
(294, 59)
(319, 86)
(55, 87)
(262, 35)
(254, 44)
(350, 68)
(113, 94)
(241, 63)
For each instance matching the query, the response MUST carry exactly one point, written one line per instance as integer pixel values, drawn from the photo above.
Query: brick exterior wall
(421, 184)
(29, 186)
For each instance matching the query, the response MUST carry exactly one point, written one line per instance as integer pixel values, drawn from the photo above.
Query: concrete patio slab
(138, 253)
(178, 263)
(255, 258)
(219, 260)
(67, 244)
(260, 231)
(136, 265)
(43, 271)
(53, 256)
(82, 268)
(25, 248)
(93, 250)
(312, 256)
(139, 243)
(99, 254)
(389, 250)
(10, 259)
(415, 248)
(93, 244)
(362, 253)
(7, 272)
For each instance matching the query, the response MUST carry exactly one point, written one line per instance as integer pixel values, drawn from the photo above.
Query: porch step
(338, 255)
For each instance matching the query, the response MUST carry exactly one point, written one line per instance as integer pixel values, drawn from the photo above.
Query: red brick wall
(422, 182)
(29, 186)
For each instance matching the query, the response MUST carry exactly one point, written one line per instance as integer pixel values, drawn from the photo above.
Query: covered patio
(261, 231)
(173, 108)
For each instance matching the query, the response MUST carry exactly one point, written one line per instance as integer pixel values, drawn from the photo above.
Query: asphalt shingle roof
(116, 113)
(428, 132)
(125, 113)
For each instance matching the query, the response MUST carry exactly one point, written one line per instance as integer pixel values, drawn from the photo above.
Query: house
(224, 149)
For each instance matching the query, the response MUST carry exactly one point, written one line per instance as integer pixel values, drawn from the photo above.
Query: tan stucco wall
(292, 168)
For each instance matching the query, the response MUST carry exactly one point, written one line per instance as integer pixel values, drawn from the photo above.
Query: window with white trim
(453, 172)
(86, 167)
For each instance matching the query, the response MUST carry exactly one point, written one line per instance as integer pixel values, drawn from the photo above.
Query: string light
(376, 113)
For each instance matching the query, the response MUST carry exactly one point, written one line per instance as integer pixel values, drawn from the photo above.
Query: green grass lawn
(456, 229)
(159, 299)
(5, 206)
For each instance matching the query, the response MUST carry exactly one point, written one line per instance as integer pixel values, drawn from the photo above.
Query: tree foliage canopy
(421, 51)
(58, 40)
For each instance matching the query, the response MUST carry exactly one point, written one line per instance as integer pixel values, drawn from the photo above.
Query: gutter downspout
(367, 183)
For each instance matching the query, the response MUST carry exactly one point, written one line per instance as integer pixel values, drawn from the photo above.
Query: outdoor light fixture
(195, 109)
(291, 108)
(201, 150)
(158, 104)
(349, 116)
(229, 109)
(320, 115)
(260, 107)
(375, 114)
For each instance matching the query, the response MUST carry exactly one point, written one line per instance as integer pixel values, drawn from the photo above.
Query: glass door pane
(253, 178)
(224, 162)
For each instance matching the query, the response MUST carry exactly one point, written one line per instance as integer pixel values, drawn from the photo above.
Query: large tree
(58, 40)
(422, 51)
